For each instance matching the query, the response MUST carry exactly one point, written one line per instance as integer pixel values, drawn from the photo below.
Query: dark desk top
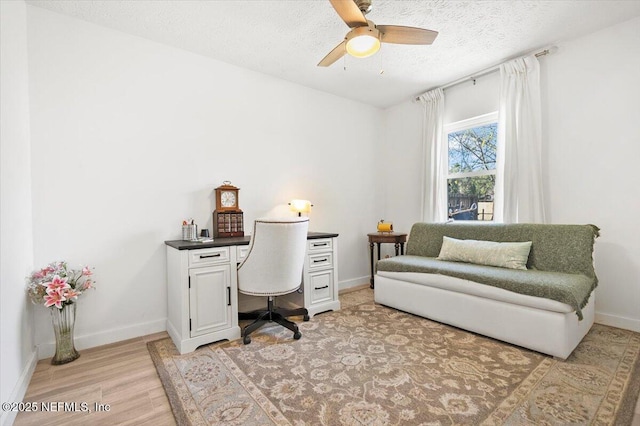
(232, 241)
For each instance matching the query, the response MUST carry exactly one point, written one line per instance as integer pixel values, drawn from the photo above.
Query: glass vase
(63, 321)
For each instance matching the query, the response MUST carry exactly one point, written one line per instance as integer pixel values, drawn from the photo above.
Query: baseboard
(46, 350)
(8, 417)
(617, 321)
(350, 284)
(352, 289)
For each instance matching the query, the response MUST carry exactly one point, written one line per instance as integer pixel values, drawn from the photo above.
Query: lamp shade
(363, 41)
(300, 206)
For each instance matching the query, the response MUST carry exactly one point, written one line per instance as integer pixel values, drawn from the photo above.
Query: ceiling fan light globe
(363, 42)
(363, 46)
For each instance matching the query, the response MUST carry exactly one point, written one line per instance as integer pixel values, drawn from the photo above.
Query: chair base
(272, 314)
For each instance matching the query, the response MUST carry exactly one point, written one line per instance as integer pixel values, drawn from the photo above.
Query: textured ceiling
(287, 38)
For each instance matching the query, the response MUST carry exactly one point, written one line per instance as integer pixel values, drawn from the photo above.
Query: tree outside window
(471, 177)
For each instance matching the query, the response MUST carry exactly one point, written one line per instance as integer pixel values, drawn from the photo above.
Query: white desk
(202, 286)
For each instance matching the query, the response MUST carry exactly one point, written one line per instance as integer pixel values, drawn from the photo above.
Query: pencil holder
(189, 232)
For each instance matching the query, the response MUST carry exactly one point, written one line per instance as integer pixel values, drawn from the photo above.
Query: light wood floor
(121, 375)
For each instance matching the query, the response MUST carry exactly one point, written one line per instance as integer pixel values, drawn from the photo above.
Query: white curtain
(519, 177)
(434, 189)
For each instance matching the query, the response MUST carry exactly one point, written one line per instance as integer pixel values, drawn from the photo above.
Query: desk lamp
(300, 206)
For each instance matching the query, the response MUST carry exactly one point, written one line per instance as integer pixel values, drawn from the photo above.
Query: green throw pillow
(504, 255)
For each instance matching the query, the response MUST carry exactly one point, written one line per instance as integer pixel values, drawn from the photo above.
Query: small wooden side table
(378, 238)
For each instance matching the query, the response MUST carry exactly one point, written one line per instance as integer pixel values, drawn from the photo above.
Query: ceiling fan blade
(337, 53)
(406, 35)
(349, 12)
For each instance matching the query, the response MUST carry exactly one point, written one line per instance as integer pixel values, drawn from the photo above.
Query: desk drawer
(208, 256)
(320, 260)
(321, 286)
(242, 252)
(320, 244)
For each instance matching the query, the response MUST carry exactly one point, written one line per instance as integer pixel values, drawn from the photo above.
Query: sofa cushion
(492, 253)
(572, 289)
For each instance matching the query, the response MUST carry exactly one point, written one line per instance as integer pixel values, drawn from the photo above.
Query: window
(471, 174)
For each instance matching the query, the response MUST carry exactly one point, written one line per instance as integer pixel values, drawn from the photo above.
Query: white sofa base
(552, 333)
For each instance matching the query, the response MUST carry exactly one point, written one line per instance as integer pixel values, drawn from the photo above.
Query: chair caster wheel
(297, 335)
(306, 318)
(246, 340)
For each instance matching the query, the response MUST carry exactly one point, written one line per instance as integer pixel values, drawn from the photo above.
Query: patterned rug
(371, 365)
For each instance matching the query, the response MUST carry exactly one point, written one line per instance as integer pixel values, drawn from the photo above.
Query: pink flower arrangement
(57, 285)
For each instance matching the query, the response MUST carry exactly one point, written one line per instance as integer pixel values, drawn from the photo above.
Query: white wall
(591, 89)
(467, 100)
(400, 168)
(17, 355)
(130, 137)
(591, 147)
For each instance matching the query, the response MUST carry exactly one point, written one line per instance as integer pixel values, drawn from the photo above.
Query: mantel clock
(227, 197)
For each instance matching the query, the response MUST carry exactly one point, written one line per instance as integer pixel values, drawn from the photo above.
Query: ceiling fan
(365, 37)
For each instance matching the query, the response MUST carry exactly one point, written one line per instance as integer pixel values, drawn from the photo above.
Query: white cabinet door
(209, 299)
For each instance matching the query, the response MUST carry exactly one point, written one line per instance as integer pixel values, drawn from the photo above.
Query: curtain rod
(486, 71)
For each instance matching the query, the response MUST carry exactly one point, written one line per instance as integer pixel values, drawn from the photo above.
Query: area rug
(372, 365)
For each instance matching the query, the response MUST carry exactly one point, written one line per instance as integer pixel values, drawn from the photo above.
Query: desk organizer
(189, 232)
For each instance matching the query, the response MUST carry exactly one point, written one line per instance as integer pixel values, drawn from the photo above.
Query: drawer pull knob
(320, 244)
(320, 288)
(209, 255)
(320, 260)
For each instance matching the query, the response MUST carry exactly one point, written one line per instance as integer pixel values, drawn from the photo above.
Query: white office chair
(273, 267)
